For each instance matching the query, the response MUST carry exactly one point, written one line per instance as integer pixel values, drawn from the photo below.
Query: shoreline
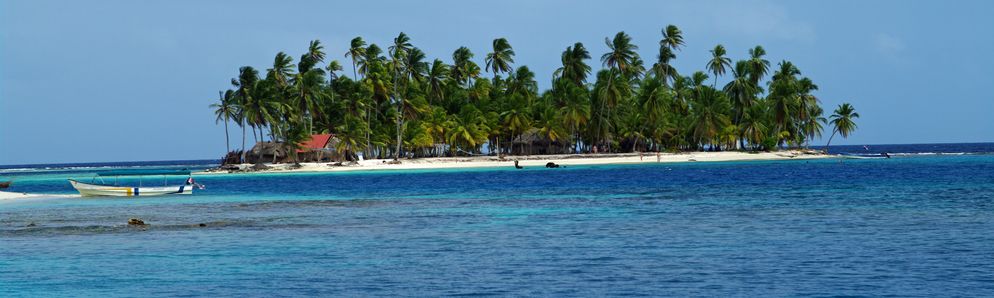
(8, 195)
(527, 161)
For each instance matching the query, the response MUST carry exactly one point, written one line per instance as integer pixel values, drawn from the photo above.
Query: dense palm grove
(397, 103)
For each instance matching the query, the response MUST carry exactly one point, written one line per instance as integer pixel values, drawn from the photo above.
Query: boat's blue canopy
(144, 172)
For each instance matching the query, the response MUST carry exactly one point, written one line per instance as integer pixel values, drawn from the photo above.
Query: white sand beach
(534, 161)
(6, 195)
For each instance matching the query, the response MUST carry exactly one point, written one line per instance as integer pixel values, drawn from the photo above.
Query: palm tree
(574, 68)
(522, 82)
(463, 69)
(807, 111)
(465, 130)
(843, 121)
(333, 68)
(575, 110)
(516, 118)
(501, 58)
(622, 55)
(282, 69)
(672, 38)
(436, 124)
(437, 74)
(812, 126)
(370, 57)
(718, 62)
(671, 42)
(623, 62)
(315, 54)
(663, 67)
(548, 126)
(259, 105)
(357, 50)
(245, 84)
(308, 96)
(398, 52)
(758, 65)
(652, 98)
(709, 115)
(741, 91)
(350, 136)
(753, 124)
(225, 109)
(783, 95)
(416, 68)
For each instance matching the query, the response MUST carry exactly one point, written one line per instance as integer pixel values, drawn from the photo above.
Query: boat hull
(87, 190)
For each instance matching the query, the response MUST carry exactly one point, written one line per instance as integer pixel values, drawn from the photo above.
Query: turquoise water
(909, 226)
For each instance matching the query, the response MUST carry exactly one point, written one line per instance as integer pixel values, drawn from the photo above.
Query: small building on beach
(318, 148)
(267, 152)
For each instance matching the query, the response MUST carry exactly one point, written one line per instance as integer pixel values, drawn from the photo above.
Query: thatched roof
(529, 137)
(269, 149)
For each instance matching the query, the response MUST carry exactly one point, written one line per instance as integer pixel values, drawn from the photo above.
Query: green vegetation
(843, 119)
(398, 103)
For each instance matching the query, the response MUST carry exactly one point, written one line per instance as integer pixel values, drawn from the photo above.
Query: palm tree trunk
(576, 140)
(243, 144)
(400, 124)
(227, 141)
(355, 76)
(400, 111)
(830, 140)
(369, 149)
(604, 109)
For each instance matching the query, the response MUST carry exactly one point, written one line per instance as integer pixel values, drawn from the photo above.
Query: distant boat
(106, 189)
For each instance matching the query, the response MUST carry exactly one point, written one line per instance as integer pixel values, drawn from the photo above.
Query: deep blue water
(913, 225)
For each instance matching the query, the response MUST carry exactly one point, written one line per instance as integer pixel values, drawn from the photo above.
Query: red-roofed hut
(319, 148)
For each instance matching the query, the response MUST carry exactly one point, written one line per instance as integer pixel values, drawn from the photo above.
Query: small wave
(41, 230)
(940, 153)
(916, 153)
(260, 205)
(112, 165)
(84, 169)
(15, 170)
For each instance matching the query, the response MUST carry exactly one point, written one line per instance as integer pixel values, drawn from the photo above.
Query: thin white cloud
(888, 44)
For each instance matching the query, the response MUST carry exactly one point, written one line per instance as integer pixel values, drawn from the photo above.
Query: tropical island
(397, 105)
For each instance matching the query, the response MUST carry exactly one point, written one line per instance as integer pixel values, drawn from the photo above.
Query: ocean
(918, 224)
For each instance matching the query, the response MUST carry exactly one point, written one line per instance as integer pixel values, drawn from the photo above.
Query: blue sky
(87, 81)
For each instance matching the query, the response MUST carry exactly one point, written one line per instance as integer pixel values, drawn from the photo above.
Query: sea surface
(918, 224)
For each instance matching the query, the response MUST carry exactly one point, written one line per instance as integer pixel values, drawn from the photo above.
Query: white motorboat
(107, 189)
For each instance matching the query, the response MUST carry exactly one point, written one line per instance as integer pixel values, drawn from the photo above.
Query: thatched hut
(532, 142)
(263, 152)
